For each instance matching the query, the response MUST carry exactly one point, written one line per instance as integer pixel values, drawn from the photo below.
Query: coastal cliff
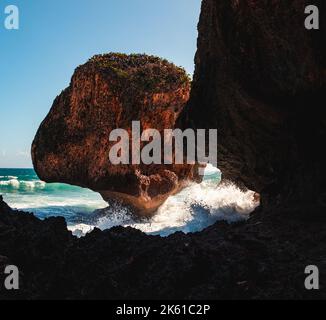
(260, 79)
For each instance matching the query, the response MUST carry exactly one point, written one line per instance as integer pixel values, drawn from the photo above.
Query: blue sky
(38, 60)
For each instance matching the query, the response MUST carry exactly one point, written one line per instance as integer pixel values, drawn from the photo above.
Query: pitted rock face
(109, 92)
(260, 79)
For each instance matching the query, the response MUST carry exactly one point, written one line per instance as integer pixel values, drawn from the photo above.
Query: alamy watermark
(171, 146)
(11, 17)
(312, 19)
(11, 280)
(312, 279)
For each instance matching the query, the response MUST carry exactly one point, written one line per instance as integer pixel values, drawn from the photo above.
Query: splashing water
(193, 209)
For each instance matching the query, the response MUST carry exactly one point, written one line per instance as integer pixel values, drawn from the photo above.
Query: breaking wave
(192, 210)
(13, 182)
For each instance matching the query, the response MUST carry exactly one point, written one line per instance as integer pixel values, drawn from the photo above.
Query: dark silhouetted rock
(261, 80)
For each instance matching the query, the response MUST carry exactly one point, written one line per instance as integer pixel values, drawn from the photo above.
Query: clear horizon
(39, 59)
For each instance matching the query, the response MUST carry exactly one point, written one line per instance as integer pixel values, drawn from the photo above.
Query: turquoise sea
(193, 209)
(22, 189)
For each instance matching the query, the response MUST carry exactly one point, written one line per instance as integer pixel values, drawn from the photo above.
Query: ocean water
(193, 209)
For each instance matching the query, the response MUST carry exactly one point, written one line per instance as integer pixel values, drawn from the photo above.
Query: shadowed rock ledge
(264, 258)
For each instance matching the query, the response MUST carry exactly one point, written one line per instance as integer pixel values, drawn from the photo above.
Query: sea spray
(192, 210)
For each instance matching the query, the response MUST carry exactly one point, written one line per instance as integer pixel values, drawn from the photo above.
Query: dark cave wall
(260, 79)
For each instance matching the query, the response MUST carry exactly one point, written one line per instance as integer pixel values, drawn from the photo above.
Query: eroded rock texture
(261, 80)
(109, 92)
(258, 79)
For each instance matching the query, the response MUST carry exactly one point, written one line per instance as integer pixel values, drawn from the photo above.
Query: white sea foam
(192, 210)
(16, 184)
(8, 177)
(80, 230)
(42, 202)
(211, 170)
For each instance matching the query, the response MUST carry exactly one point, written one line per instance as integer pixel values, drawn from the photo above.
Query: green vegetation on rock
(147, 72)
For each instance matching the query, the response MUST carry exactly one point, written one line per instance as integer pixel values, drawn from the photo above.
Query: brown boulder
(108, 92)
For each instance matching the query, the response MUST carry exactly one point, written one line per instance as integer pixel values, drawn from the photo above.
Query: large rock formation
(261, 80)
(109, 92)
(258, 78)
